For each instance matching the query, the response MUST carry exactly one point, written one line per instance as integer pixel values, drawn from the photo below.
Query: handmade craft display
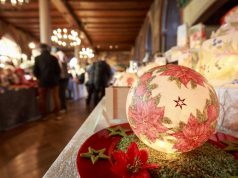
(172, 111)
(218, 59)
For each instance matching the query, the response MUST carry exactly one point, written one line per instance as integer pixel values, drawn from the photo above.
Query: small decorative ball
(172, 108)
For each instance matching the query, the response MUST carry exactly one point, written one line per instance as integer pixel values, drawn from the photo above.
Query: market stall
(18, 89)
(18, 107)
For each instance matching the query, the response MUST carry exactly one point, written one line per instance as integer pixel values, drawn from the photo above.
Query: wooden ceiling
(106, 25)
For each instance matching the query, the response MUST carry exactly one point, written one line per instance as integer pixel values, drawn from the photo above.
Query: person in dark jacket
(89, 83)
(102, 77)
(47, 71)
(64, 78)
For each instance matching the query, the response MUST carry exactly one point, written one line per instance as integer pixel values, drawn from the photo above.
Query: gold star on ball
(94, 155)
(180, 102)
(118, 131)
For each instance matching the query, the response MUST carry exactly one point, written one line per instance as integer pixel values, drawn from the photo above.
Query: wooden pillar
(45, 21)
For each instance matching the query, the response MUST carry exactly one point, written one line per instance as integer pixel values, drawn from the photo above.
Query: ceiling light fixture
(65, 37)
(32, 45)
(86, 53)
(14, 2)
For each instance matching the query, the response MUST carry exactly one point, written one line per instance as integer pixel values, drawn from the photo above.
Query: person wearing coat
(47, 71)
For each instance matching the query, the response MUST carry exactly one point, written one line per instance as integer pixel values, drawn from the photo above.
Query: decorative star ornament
(231, 145)
(180, 103)
(94, 155)
(118, 131)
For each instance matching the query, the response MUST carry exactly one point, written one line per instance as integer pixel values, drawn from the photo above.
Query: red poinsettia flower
(145, 77)
(212, 112)
(194, 133)
(147, 119)
(184, 74)
(141, 89)
(132, 164)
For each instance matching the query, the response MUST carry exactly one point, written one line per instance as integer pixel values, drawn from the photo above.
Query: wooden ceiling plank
(111, 19)
(79, 5)
(31, 5)
(59, 5)
(25, 14)
(113, 30)
(96, 1)
(111, 13)
(114, 25)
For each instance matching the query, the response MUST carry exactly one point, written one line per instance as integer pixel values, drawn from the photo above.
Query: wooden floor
(29, 150)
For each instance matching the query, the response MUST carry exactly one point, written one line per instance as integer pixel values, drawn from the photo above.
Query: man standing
(47, 71)
(102, 77)
(64, 78)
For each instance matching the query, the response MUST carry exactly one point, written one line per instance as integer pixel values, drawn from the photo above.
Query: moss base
(206, 161)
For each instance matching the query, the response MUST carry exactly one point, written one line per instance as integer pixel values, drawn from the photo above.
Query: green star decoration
(94, 155)
(231, 145)
(118, 131)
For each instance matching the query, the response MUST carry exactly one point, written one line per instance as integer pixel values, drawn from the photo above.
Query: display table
(17, 107)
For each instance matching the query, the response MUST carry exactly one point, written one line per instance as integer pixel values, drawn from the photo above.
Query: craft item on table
(176, 54)
(231, 145)
(115, 101)
(189, 58)
(125, 80)
(231, 16)
(118, 131)
(172, 109)
(182, 35)
(218, 59)
(197, 35)
(160, 60)
(94, 155)
(225, 29)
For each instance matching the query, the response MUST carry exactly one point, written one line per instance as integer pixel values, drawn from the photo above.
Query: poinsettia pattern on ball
(184, 74)
(154, 116)
(147, 118)
(132, 164)
(195, 133)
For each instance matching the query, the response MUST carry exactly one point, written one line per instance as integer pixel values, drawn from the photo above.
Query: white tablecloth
(65, 165)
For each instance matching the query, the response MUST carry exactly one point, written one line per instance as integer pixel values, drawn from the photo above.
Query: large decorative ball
(172, 108)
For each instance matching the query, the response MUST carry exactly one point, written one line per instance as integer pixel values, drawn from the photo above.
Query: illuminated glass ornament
(172, 108)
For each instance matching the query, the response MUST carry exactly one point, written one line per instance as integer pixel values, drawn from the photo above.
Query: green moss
(206, 161)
